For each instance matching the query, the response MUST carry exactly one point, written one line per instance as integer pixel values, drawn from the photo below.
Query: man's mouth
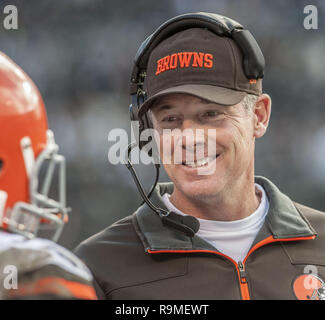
(200, 163)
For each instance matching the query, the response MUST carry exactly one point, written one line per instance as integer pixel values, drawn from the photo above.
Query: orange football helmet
(26, 146)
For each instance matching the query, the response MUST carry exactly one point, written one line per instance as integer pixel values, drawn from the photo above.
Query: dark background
(79, 53)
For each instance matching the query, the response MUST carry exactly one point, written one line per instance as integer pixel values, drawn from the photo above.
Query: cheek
(225, 137)
(166, 148)
(243, 147)
(170, 149)
(241, 133)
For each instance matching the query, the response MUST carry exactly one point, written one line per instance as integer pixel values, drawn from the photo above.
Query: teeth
(200, 163)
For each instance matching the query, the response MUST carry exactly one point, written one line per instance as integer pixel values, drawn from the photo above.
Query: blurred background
(80, 53)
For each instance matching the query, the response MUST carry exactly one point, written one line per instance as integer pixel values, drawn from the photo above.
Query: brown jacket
(140, 258)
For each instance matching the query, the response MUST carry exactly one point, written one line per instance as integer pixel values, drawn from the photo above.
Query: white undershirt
(232, 238)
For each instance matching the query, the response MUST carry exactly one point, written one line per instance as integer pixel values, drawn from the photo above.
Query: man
(31, 267)
(252, 241)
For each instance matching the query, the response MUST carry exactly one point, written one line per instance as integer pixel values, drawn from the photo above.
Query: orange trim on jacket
(243, 282)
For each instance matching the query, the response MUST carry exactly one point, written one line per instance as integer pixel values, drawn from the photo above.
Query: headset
(253, 65)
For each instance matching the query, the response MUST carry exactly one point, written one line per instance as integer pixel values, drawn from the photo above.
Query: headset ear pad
(139, 124)
(145, 123)
(254, 62)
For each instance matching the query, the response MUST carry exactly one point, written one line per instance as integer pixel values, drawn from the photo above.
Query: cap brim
(218, 95)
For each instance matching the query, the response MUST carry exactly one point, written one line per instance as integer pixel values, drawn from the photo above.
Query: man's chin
(200, 189)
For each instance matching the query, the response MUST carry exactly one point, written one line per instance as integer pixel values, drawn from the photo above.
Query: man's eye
(170, 119)
(211, 114)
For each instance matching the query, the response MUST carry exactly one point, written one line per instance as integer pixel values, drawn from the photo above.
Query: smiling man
(211, 196)
(248, 240)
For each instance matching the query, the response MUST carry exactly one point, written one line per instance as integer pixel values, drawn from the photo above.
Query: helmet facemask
(43, 215)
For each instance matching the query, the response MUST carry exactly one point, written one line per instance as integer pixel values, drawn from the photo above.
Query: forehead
(178, 100)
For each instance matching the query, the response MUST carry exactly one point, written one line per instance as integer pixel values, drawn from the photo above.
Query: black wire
(154, 184)
(188, 225)
(137, 181)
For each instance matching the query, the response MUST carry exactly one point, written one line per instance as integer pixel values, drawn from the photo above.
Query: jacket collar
(283, 221)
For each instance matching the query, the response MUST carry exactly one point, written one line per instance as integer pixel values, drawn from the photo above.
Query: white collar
(235, 225)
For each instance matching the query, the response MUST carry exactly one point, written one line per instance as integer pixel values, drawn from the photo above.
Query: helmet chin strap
(28, 155)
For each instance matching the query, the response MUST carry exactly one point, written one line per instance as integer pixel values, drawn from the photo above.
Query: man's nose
(192, 138)
(188, 124)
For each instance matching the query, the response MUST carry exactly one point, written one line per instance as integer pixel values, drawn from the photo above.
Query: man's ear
(262, 113)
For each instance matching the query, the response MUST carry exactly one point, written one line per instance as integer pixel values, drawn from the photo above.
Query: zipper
(242, 272)
(243, 283)
(240, 266)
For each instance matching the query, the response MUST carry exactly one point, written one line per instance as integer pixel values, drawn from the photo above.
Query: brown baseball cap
(198, 62)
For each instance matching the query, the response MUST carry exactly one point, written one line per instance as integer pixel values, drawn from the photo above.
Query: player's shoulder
(44, 270)
(34, 254)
